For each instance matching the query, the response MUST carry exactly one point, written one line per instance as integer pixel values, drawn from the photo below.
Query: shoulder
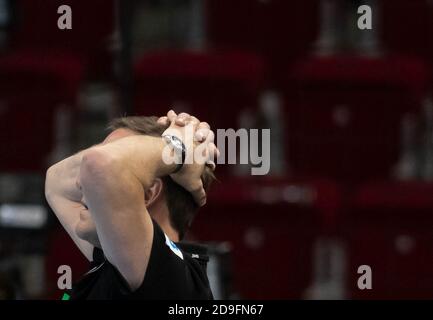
(174, 271)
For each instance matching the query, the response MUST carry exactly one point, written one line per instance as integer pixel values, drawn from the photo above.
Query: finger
(204, 125)
(184, 115)
(210, 137)
(208, 142)
(212, 153)
(182, 118)
(213, 150)
(209, 151)
(180, 122)
(201, 134)
(171, 115)
(194, 121)
(163, 120)
(203, 131)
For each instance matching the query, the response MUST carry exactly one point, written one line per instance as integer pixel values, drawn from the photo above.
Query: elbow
(97, 167)
(50, 178)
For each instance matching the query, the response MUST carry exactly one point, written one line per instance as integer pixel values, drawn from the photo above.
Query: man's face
(85, 228)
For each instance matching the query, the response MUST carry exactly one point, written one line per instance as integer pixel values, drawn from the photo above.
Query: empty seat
(388, 226)
(36, 29)
(62, 251)
(413, 37)
(213, 85)
(281, 31)
(271, 226)
(344, 114)
(32, 89)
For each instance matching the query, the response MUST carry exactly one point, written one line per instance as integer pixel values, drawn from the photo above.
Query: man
(124, 206)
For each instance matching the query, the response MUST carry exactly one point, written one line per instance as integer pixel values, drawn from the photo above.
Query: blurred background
(350, 113)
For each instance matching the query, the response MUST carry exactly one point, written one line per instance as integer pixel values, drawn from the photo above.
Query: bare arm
(113, 178)
(64, 197)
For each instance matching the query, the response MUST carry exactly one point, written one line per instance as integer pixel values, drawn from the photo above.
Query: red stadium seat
(42, 70)
(413, 36)
(344, 114)
(61, 250)
(32, 88)
(36, 30)
(279, 30)
(271, 226)
(388, 226)
(213, 85)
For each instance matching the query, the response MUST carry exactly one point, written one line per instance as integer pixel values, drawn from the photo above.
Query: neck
(160, 213)
(164, 223)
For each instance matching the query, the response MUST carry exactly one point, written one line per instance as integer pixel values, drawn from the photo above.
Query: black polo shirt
(175, 271)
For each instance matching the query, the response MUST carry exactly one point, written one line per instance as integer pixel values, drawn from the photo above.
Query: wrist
(178, 151)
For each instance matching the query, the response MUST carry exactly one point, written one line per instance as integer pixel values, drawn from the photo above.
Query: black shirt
(173, 272)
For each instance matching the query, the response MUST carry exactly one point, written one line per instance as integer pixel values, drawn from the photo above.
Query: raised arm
(114, 178)
(65, 198)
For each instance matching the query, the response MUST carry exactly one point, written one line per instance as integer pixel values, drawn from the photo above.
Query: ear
(153, 193)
